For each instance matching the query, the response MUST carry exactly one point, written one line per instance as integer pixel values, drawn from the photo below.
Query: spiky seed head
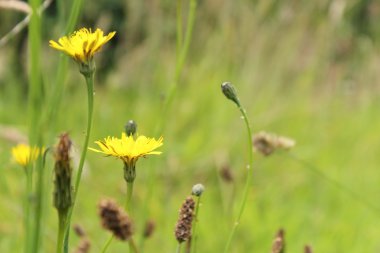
(183, 227)
(115, 219)
(150, 226)
(226, 174)
(278, 245)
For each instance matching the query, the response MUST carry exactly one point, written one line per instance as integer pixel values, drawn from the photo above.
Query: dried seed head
(278, 245)
(115, 219)
(63, 174)
(226, 174)
(267, 143)
(84, 246)
(183, 228)
(79, 231)
(308, 249)
(150, 226)
(197, 190)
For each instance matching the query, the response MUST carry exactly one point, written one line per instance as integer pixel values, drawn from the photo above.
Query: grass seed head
(150, 226)
(308, 249)
(115, 219)
(278, 245)
(266, 143)
(186, 213)
(63, 174)
(226, 174)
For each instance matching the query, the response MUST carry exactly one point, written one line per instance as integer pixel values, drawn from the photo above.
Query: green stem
(108, 242)
(181, 57)
(39, 201)
(28, 203)
(194, 233)
(179, 26)
(178, 250)
(90, 99)
(129, 197)
(248, 181)
(61, 230)
(361, 199)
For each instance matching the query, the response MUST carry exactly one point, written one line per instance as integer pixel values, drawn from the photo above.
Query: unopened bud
(130, 128)
(230, 92)
(197, 190)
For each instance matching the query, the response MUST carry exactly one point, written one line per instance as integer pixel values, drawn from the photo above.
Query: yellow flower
(82, 44)
(127, 148)
(23, 154)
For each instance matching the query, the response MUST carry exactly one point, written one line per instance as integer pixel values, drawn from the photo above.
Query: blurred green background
(303, 69)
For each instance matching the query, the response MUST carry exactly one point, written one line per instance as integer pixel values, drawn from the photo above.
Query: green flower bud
(230, 92)
(131, 128)
(197, 190)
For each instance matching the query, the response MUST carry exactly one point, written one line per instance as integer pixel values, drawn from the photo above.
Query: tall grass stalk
(194, 232)
(90, 105)
(182, 48)
(248, 181)
(35, 136)
(352, 194)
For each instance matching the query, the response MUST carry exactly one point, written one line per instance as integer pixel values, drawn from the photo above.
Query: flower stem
(90, 99)
(248, 181)
(194, 232)
(178, 250)
(129, 196)
(61, 230)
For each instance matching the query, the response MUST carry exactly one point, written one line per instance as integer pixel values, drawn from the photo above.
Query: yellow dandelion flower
(127, 148)
(23, 154)
(82, 44)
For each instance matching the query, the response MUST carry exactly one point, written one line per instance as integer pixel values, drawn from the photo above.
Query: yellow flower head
(82, 44)
(127, 148)
(23, 154)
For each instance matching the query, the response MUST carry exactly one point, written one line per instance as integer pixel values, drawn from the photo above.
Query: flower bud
(63, 175)
(197, 190)
(131, 128)
(230, 92)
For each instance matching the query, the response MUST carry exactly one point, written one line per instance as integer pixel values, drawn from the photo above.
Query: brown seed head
(308, 249)
(115, 219)
(79, 231)
(183, 228)
(63, 172)
(226, 174)
(84, 246)
(150, 226)
(278, 245)
(267, 143)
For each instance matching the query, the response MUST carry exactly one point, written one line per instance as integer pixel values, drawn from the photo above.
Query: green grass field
(303, 69)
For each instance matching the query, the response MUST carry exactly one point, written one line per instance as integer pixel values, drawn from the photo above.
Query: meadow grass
(283, 63)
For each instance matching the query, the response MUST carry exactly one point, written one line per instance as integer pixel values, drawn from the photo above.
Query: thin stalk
(180, 60)
(28, 206)
(248, 181)
(178, 250)
(90, 101)
(61, 230)
(129, 197)
(194, 232)
(107, 244)
(375, 209)
(179, 26)
(35, 108)
(39, 201)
